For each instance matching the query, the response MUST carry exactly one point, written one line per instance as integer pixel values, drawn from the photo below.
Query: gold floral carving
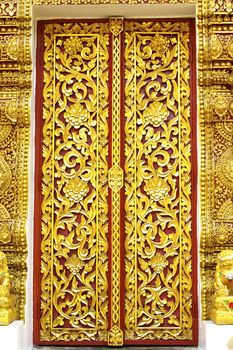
(8, 8)
(15, 90)
(157, 95)
(75, 183)
(216, 117)
(115, 336)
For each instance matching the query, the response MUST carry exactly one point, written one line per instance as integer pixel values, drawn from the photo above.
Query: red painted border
(38, 184)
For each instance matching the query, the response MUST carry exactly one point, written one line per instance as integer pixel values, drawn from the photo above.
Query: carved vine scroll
(74, 299)
(160, 225)
(115, 146)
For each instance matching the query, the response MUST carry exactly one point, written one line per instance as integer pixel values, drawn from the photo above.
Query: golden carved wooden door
(115, 222)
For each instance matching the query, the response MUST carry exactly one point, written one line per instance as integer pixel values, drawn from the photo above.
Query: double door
(115, 255)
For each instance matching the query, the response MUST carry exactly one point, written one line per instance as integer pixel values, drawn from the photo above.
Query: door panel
(74, 208)
(115, 249)
(158, 224)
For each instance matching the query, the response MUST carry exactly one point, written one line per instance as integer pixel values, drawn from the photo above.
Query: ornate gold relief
(216, 117)
(115, 336)
(74, 285)
(158, 167)
(116, 25)
(115, 183)
(222, 300)
(84, 2)
(7, 300)
(115, 178)
(15, 89)
(8, 8)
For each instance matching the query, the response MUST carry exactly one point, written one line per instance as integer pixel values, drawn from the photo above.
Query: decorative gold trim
(116, 174)
(7, 300)
(99, 2)
(115, 336)
(115, 178)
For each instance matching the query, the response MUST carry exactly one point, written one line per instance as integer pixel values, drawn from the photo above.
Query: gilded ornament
(159, 44)
(116, 25)
(5, 175)
(222, 300)
(9, 48)
(221, 6)
(7, 300)
(151, 90)
(221, 106)
(115, 182)
(5, 232)
(115, 337)
(115, 178)
(15, 86)
(230, 46)
(77, 224)
(76, 189)
(155, 114)
(8, 8)
(225, 168)
(76, 115)
(13, 47)
(158, 263)
(215, 79)
(156, 188)
(85, 2)
(73, 45)
(216, 47)
(226, 211)
(74, 264)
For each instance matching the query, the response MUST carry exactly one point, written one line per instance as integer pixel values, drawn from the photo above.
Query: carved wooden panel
(115, 180)
(160, 223)
(74, 207)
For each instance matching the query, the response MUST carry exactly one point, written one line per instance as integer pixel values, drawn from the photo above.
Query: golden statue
(7, 301)
(222, 303)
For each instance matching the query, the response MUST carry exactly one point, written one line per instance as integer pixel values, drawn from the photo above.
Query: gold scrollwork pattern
(93, 2)
(158, 260)
(15, 90)
(74, 286)
(216, 117)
